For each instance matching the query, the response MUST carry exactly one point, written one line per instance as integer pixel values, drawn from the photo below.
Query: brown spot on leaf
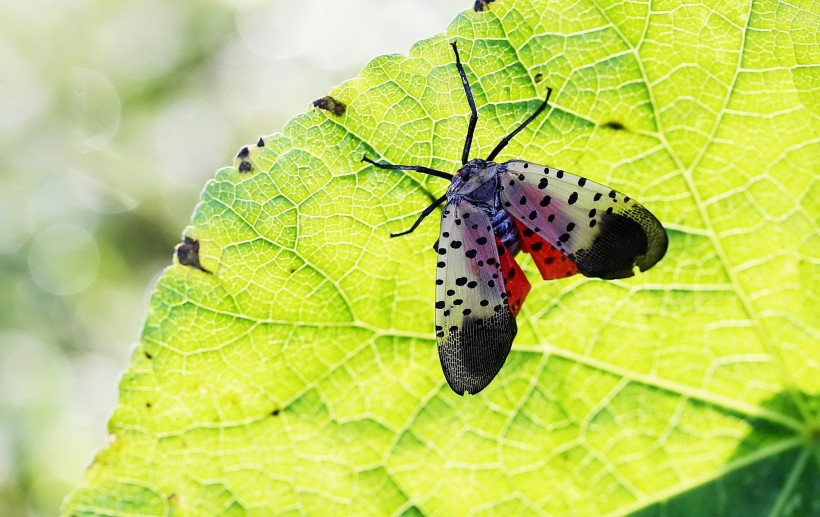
(330, 104)
(482, 5)
(188, 254)
(614, 124)
(245, 166)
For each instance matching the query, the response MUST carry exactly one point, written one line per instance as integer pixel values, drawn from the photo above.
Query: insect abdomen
(504, 229)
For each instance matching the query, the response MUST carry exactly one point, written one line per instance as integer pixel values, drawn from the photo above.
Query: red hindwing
(550, 262)
(515, 281)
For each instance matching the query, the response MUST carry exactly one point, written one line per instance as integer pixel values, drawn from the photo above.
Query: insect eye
(465, 175)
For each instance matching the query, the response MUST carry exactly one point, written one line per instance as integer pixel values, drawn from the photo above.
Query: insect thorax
(477, 183)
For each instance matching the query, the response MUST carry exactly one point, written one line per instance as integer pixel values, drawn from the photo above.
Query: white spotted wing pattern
(474, 325)
(605, 233)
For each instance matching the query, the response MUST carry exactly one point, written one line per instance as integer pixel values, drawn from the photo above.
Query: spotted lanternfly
(567, 223)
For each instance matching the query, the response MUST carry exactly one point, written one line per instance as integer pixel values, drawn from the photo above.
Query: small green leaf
(296, 370)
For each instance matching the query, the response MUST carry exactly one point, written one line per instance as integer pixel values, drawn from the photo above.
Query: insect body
(492, 211)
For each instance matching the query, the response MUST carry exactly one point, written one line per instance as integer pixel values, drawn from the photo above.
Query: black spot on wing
(473, 354)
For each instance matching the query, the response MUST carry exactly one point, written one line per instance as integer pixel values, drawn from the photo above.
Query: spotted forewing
(604, 233)
(474, 324)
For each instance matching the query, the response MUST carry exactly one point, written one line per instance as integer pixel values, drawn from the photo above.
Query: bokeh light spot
(189, 140)
(64, 259)
(95, 108)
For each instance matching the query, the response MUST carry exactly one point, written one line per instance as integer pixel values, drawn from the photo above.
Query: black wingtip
(627, 240)
(451, 380)
(472, 355)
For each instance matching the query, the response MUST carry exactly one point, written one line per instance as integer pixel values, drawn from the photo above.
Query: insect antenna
(427, 211)
(415, 168)
(506, 140)
(465, 156)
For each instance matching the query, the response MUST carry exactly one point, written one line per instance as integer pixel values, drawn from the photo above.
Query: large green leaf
(301, 374)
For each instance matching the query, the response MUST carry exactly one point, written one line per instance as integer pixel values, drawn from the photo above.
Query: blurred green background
(113, 115)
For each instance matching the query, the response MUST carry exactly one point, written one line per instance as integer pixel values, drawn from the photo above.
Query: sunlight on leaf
(301, 374)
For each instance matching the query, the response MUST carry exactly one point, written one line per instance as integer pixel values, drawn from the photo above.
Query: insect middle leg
(427, 211)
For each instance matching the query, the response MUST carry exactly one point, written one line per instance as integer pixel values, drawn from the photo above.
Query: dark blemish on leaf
(148, 355)
(243, 153)
(614, 124)
(330, 104)
(260, 143)
(148, 405)
(275, 412)
(538, 77)
(188, 254)
(245, 166)
(482, 5)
